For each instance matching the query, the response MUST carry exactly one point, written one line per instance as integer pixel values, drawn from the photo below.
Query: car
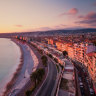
(82, 91)
(81, 84)
(91, 91)
(87, 80)
(80, 79)
(89, 86)
(83, 70)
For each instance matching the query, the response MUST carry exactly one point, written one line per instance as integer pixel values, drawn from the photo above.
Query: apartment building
(80, 51)
(70, 51)
(91, 65)
(50, 41)
(60, 46)
(91, 61)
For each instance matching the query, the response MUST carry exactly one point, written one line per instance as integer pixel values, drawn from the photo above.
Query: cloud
(90, 16)
(89, 19)
(60, 26)
(37, 29)
(57, 27)
(18, 25)
(72, 11)
(44, 28)
(94, 4)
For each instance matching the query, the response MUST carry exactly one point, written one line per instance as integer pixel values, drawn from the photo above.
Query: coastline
(16, 73)
(12, 82)
(29, 84)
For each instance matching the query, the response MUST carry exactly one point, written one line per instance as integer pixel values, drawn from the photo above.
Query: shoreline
(10, 84)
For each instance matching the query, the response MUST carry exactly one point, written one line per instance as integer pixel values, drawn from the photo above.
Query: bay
(9, 60)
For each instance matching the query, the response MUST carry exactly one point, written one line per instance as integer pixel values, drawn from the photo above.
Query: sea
(9, 60)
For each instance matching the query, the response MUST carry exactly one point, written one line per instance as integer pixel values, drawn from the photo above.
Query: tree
(50, 55)
(55, 60)
(44, 57)
(40, 73)
(33, 77)
(28, 92)
(61, 66)
(37, 76)
(65, 53)
(40, 51)
(44, 60)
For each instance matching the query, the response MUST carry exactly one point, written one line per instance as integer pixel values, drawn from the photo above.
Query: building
(91, 65)
(50, 41)
(91, 61)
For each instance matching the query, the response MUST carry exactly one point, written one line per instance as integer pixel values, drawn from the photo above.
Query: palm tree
(50, 55)
(33, 77)
(37, 76)
(44, 57)
(55, 59)
(40, 73)
(44, 60)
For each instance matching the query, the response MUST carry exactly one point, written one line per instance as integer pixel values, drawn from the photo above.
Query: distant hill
(51, 32)
(60, 32)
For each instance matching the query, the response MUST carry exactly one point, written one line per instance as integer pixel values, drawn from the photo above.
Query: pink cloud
(60, 26)
(89, 19)
(18, 25)
(91, 15)
(94, 4)
(44, 28)
(72, 11)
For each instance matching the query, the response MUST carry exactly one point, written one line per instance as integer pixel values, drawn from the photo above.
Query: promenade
(30, 62)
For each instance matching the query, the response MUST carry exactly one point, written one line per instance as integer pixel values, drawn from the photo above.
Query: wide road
(47, 87)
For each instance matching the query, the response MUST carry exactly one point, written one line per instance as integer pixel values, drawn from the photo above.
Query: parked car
(82, 91)
(81, 84)
(91, 92)
(87, 80)
(80, 79)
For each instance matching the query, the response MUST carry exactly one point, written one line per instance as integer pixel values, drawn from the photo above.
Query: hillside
(51, 32)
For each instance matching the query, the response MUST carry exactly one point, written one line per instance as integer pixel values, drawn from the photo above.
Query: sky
(40, 15)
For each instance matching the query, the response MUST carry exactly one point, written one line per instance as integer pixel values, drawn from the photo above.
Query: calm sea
(9, 61)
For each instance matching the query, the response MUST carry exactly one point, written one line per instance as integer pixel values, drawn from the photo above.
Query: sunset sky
(34, 15)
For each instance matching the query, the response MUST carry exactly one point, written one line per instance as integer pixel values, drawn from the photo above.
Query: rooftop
(91, 54)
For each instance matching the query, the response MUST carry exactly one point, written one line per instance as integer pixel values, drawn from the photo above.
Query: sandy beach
(29, 84)
(28, 64)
